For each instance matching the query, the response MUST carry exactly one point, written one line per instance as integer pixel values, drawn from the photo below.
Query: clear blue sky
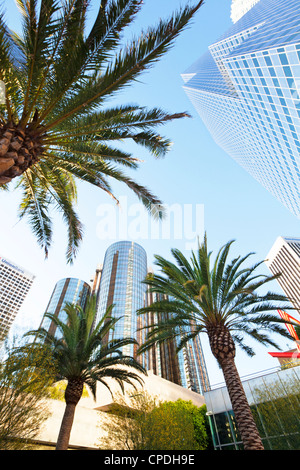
(195, 172)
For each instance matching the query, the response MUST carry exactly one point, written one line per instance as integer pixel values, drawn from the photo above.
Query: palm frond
(81, 349)
(62, 190)
(113, 17)
(140, 54)
(201, 294)
(121, 123)
(37, 32)
(35, 206)
(77, 56)
(59, 71)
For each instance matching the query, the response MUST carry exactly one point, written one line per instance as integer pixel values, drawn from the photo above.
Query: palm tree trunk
(223, 348)
(66, 427)
(244, 418)
(73, 394)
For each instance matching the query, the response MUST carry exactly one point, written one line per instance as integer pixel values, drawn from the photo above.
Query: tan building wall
(86, 430)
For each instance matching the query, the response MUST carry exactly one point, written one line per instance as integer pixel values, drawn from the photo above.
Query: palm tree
(55, 124)
(220, 299)
(82, 355)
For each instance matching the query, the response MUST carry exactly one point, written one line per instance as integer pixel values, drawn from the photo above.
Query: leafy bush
(25, 376)
(144, 423)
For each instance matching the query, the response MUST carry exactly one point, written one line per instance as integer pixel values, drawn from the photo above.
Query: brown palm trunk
(243, 415)
(73, 394)
(19, 149)
(66, 427)
(223, 348)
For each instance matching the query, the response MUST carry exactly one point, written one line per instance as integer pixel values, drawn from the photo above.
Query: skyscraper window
(71, 290)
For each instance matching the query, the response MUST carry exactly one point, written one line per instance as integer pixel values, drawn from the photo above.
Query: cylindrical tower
(70, 290)
(124, 269)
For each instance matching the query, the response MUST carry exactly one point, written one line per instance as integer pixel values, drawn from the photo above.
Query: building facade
(246, 90)
(124, 269)
(70, 290)
(121, 284)
(15, 283)
(284, 258)
(240, 7)
(274, 401)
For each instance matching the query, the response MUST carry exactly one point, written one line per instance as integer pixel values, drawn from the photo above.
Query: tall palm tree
(56, 126)
(82, 355)
(220, 299)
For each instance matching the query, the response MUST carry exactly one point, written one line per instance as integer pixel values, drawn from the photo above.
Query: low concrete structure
(90, 413)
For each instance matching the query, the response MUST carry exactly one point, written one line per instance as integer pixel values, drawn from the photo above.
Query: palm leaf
(34, 206)
(200, 298)
(62, 190)
(137, 56)
(58, 75)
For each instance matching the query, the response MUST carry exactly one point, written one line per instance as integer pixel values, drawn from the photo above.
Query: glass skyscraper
(124, 268)
(246, 89)
(71, 290)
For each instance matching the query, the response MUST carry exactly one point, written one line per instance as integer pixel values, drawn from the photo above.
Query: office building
(70, 290)
(124, 269)
(284, 258)
(246, 90)
(15, 283)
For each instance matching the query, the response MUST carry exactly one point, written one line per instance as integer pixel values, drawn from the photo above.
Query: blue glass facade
(124, 269)
(70, 290)
(246, 89)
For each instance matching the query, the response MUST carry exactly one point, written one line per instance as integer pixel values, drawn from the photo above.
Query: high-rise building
(124, 269)
(246, 89)
(284, 258)
(15, 283)
(70, 290)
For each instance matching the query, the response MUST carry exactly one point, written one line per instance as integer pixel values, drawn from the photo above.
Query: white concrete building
(15, 283)
(284, 258)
